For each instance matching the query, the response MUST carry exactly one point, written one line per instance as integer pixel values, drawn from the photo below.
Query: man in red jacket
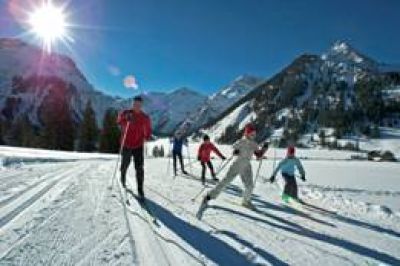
(136, 129)
(204, 156)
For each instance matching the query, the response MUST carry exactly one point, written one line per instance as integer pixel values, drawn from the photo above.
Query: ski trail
(66, 231)
(30, 196)
(157, 239)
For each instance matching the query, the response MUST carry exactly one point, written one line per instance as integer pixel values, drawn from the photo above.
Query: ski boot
(249, 205)
(203, 206)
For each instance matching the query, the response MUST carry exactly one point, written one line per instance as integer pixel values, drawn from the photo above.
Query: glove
(223, 158)
(236, 152)
(303, 178)
(272, 179)
(265, 145)
(128, 114)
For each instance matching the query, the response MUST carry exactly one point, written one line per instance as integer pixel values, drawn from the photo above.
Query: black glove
(223, 158)
(303, 178)
(265, 145)
(272, 179)
(236, 152)
(128, 114)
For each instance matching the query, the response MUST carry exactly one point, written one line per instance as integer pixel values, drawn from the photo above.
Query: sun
(48, 22)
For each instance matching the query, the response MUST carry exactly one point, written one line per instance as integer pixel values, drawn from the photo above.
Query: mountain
(342, 90)
(168, 110)
(220, 101)
(31, 80)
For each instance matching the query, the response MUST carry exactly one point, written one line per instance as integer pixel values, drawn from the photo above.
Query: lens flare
(130, 82)
(48, 22)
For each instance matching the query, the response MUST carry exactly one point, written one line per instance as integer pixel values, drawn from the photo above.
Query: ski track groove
(155, 237)
(37, 227)
(52, 175)
(38, 195)
(128, 226)
(57, 240)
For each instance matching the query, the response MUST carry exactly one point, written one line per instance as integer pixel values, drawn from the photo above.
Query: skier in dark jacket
(136, 129)
(204, 156)
(288, 167)
(177, 144)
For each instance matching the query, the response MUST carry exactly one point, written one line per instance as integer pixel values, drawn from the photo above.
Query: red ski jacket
(205, 150)
(137, 127)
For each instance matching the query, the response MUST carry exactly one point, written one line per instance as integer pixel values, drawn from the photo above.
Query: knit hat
(291, 150)
(249, 129)
(138, 99)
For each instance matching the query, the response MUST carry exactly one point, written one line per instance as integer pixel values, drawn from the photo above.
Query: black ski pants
(290, 185)
(138, 159)
(203, 170)
(178, 156)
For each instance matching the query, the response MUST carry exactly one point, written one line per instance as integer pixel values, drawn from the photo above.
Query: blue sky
(206, 44)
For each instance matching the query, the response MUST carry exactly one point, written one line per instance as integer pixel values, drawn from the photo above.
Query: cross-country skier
(204, 156)
(288, 167)
(137, 127)
(243, 149)
(177, 143)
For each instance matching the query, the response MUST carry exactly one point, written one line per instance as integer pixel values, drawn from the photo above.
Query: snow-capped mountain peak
(343, 53)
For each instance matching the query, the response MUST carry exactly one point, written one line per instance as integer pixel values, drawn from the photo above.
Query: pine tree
(1, 133)
(88, 133)
(109, 137)
(162, 152)
(22, 133)
(58, 127)
(322, 139)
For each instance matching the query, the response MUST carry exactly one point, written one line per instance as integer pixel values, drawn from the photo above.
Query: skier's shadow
(235, 191)
(302, 231)
(210, 246)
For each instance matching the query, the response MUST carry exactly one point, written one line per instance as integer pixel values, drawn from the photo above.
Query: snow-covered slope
(341, 89)
(63, 213)
(220, 101)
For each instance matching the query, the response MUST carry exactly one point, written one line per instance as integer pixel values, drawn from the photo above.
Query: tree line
(59, 131)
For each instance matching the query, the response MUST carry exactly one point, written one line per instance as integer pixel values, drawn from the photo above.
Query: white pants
(240, 167)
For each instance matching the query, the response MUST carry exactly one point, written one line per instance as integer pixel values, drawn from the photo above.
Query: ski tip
(156, 223)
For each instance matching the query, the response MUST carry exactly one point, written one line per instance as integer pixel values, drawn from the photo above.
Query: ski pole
(169, 156)
(188, 154)
(274, 161)
(119, 154)
(198, 194)
(258, 171)
(223, 165)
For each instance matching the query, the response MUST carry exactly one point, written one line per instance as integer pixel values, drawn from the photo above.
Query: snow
(54, 213)
(232, 119)
(220, 101)
(389, 141)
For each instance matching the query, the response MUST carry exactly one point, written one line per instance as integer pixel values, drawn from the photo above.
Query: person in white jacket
(288, 167)
(244, 149)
